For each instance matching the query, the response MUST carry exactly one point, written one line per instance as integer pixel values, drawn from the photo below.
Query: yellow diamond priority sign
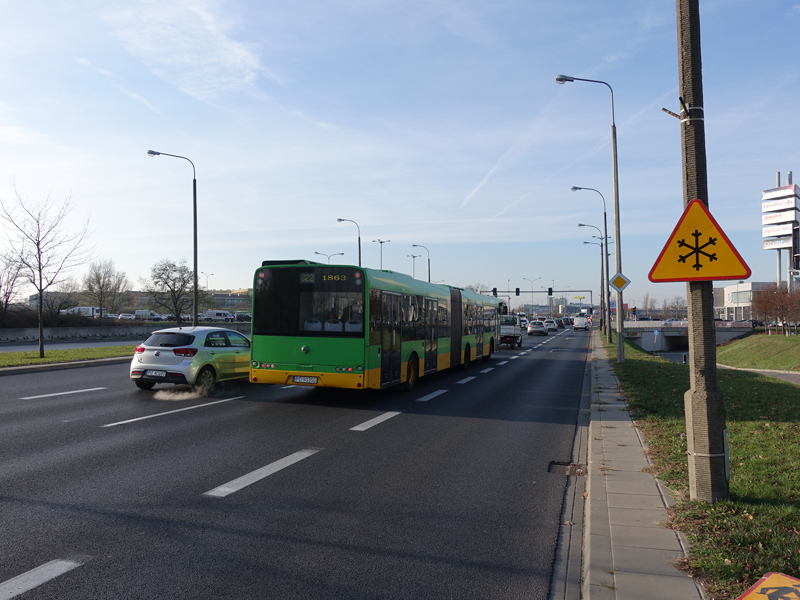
(619, 282)
(698, 250)
(774, 586)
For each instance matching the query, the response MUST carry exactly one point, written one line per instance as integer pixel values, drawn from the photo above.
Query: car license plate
(303, 379)
(156, 373)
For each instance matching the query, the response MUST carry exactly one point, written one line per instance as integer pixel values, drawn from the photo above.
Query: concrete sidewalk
(627, 552)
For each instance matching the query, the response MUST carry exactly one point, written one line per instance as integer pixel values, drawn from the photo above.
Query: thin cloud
(188, 46)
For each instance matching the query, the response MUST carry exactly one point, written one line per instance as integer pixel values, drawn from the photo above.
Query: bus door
(456, 328)
(390, 339)
(431, 327)
(478, 322)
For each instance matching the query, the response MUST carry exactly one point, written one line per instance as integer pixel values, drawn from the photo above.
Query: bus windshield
(309, 301)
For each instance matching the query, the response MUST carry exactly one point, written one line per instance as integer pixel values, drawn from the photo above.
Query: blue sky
(432, 122)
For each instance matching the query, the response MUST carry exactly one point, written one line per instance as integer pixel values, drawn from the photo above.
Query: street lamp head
(575, 188)
(582, 225)
(153, 153)
(562, 79)
(340, 220)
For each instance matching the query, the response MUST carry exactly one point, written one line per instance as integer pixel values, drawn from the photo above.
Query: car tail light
(189, 352)
(139, 349)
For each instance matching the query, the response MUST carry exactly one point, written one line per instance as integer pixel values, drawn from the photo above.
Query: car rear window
(169, 339)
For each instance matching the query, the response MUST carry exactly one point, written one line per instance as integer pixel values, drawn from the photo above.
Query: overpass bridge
(673, 336)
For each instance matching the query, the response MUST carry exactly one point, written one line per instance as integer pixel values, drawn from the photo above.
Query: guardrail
(133, 332)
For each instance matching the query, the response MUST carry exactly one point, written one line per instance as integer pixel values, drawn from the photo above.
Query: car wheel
(144, 385)
(206, 380)
(413, 373)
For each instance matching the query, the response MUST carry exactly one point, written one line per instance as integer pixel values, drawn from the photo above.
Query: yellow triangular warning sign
(698, 250)
(773, 585)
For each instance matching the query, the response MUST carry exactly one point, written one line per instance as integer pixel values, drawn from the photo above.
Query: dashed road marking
(487, 370)
(170, 412)
(62, 393)
(372, 422)
(35, 577)
(466, 380)
(237, 484)
(431, 396)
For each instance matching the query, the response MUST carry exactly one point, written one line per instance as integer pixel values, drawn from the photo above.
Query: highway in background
(107, 491)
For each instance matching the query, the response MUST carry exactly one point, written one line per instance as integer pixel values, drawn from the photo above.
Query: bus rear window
(309, 301)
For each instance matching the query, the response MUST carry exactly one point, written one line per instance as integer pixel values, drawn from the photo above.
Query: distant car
(199, 356)
(243, 316)
(126, 317)
(551, 325)
(580, 323)
(537, 328)
(559, 322)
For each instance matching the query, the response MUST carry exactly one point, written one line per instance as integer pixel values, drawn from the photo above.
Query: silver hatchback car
(198, 356)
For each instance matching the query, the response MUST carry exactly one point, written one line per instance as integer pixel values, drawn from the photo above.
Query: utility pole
(706, 432)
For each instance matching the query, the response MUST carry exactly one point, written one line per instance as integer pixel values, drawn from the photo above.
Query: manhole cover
(567, 468)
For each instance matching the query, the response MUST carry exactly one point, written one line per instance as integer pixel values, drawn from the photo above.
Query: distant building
(734, 302)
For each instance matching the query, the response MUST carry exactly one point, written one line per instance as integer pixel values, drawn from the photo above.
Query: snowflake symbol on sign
(697, 250)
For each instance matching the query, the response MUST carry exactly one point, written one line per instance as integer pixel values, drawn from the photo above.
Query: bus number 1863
(334, 278)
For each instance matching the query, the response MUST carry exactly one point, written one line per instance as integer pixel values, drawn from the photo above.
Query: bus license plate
(156, 373)
(303, 379)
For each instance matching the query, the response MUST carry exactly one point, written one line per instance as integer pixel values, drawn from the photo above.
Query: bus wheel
(465, 364)
(413, 373)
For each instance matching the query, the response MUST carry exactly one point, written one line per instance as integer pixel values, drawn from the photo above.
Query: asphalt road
(107, 491)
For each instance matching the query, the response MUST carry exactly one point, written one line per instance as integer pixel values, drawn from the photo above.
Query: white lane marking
(513, 357)
(288, 387)
(35, 577)
(62, 393)
(487, 370)
(502, 362)
(259, 474)
(372, 422)
(466, 380)
(431, 396)
(521, 354)
(170, 412)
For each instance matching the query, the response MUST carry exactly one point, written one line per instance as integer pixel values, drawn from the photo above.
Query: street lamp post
(531, 280)
(414, 258)
(207, 276)
(329, 255)
(617, 246)
(381, 242)
(603, 305)
(429, 259)
(194, 206)
(605, 293)
(359, 237)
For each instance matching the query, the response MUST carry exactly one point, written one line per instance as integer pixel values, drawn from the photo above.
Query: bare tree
(9, 282)
(104, 286)
(65, 295)
(171, 286)
(41, 245)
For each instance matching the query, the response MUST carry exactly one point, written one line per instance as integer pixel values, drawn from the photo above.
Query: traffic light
(549, 291)
(517, 291)
(633, 310)
(494, 292)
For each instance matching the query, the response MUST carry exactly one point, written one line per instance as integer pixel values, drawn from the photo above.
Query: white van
(580, 322)
(220, 315)
(147, 315)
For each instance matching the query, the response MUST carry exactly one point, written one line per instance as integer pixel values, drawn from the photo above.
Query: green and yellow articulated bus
(352, 327)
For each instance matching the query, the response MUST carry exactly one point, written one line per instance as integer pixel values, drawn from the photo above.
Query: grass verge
(761, 351)
(19, 359)
(757, 531)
